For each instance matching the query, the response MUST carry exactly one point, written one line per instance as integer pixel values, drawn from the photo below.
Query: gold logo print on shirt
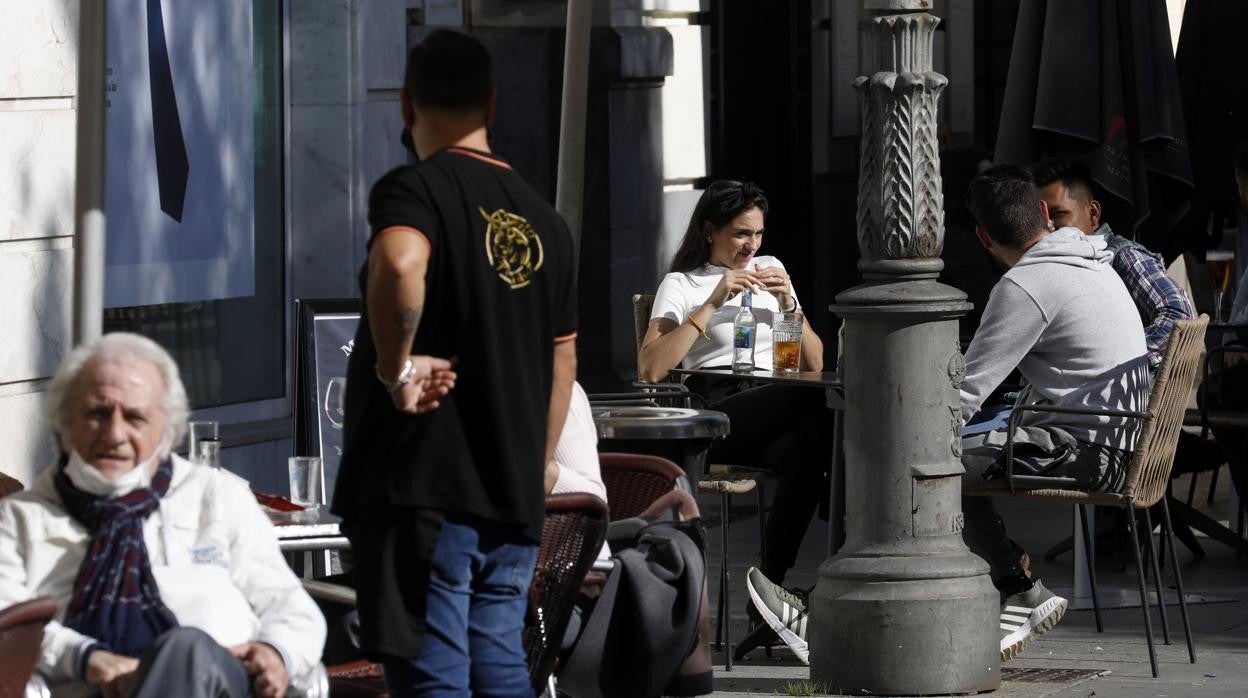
(512, 246)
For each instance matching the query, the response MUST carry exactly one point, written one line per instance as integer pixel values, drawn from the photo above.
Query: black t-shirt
(500, 293)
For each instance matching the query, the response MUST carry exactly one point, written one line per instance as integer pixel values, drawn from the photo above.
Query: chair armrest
(1081, 410)
(1016, 416)
(604, 566)
(682, 484)
(37, 687)
(334, 593)
(653, 392)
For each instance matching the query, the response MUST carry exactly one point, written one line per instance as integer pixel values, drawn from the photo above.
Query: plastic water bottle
(743, 336)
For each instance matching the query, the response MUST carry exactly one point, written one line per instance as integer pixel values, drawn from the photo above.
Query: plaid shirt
(1158, 298)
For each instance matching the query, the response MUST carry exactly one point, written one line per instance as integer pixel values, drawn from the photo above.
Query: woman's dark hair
(719, 204)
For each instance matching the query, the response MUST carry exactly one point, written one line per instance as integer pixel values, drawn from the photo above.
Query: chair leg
(1165, 540)
(1139, 577)
(721, 607)
(1167, 530)
(762, 522)
(1087, 554)
(1152, 561)
(762, 536)
(1239, 526)
(1213, 486)
(725, 621)
(1191, 488)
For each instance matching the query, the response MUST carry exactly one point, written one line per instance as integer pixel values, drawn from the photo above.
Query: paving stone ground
(1220, 629)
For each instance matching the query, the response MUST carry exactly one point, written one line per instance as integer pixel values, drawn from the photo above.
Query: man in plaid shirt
(1066, 187)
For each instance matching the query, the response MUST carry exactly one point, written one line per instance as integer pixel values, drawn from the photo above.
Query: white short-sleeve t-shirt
(681, 293)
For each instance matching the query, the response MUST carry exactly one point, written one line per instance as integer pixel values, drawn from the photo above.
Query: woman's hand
(776, 282)
(735, 281)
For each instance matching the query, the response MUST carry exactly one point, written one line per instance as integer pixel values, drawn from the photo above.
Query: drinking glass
(198, 431)
(208, 452)
(786, 341)
(307, 481)
(1221, 268)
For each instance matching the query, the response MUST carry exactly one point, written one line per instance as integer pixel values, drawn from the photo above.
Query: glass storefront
(233, 350)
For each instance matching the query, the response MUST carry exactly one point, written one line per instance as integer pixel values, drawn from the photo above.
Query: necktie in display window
(172, 165)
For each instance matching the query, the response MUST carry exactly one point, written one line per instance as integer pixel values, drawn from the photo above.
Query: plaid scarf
(115, 597)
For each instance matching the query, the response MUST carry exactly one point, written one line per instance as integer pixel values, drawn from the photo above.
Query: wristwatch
(405, 377)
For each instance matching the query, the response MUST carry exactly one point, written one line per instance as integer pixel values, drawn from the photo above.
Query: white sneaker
(782, 610)
(1026, 615)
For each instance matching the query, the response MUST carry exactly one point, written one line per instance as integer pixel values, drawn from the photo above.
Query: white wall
(684, 101)
(38, 49)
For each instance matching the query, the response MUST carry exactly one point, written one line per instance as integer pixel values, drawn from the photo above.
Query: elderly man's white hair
(112, 347)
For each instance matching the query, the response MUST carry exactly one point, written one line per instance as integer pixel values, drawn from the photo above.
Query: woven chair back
(21, 635)
(576, 526)
(1151, 462)
(634, 481)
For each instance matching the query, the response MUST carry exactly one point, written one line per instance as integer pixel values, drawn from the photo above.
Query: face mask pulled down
(89, 479)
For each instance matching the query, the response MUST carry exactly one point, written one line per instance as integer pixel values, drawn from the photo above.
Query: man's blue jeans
(478, 595)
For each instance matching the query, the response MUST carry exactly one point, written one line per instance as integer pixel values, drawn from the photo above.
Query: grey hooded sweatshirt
(1063, 316)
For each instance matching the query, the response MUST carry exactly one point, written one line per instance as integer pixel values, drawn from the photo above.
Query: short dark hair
(1006, 203)
(718, 205)
(1072, 173)
(449, 70)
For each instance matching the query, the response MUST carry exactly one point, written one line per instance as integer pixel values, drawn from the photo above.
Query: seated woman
(774, 426)
(575, 467)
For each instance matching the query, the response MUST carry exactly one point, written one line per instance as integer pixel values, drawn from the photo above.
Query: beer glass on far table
(1221, 270)
(786, 341)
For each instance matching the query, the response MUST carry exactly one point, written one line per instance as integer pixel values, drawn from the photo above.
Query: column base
(880, 635)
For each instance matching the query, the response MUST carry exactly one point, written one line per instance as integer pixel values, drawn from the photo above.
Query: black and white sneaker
(782, 610)
(1027, 614)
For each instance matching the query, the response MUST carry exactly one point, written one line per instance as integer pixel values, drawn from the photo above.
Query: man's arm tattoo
(408, 319)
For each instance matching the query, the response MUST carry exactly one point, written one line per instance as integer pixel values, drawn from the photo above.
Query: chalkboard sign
(325, 336)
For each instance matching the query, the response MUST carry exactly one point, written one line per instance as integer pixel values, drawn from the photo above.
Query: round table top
(647, 422)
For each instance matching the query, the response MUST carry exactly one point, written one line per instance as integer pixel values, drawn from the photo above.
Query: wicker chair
(21, 635)
(634, 481)
(1148, 472)
(576, 526)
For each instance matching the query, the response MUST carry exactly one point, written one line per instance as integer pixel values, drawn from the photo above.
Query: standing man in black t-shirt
(457, 389)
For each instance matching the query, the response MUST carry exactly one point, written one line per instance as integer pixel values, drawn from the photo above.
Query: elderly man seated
(168, 575)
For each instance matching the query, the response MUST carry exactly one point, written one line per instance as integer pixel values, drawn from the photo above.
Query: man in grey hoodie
(1063, 317)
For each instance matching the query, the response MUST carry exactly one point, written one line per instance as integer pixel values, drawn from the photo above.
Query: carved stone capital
(900, 203)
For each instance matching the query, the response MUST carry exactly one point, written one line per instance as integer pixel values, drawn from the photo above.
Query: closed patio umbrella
(1096, 79)
(1215, 105)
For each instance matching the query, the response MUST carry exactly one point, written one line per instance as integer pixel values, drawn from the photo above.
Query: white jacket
(214, 556)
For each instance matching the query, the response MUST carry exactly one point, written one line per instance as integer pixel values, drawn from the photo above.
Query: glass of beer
(1221, 269)
(786, 341)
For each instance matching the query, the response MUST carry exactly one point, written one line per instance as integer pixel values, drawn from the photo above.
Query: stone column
(904, 607)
